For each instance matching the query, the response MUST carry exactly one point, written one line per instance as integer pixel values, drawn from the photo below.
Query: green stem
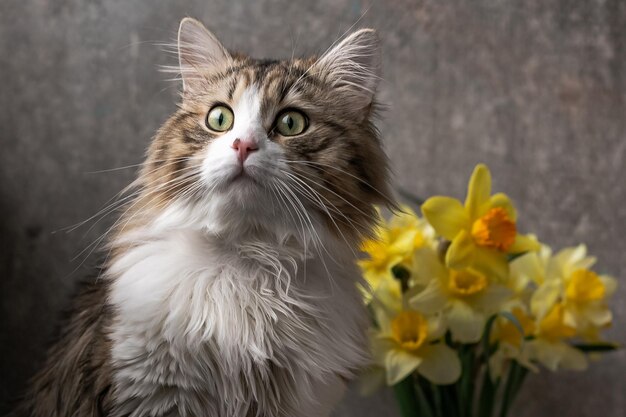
(407, 400)
(514, 382)
(437, 399)
(425, 407)
(487, 395)
(520, 381)
(464, 386)
(450, 401)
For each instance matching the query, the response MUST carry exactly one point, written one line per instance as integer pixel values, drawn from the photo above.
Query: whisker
(164, 187)
(141, 210)
(321, 258)
(361, 180)
(323, 206)
(112, 206)
(367, 216)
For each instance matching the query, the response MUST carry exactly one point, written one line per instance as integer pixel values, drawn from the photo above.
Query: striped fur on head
(336, 168)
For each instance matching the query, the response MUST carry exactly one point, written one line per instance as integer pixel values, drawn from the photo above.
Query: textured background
(535, 88)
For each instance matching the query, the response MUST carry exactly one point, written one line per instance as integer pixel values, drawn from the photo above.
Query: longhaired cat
(230, 287)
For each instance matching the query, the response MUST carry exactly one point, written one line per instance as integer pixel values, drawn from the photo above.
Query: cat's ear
(353, 65)
(199, 52)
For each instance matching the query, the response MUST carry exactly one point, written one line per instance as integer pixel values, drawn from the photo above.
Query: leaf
(596, 347)
(513, 256)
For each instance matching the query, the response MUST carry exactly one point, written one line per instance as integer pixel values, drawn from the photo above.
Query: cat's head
(282, 145)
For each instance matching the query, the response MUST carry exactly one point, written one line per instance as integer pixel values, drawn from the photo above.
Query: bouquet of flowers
(463, 305)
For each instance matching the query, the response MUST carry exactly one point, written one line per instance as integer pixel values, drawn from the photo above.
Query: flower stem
(436, 390)
(465, 393)
(407, 400)
(451, 403)
(487, 395)
(514, 382)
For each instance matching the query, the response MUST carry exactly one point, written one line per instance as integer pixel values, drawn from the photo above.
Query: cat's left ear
(353, 65)
(199, 53)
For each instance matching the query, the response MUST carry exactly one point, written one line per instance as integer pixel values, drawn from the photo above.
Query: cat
(230, 287)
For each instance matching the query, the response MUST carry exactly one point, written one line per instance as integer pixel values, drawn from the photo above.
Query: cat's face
(261, 144)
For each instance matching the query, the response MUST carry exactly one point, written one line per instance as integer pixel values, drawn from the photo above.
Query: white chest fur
(208, 328)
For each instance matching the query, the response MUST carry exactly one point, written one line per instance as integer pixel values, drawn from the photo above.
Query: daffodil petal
(524, 360)
(491, 263)
(527, 268)
(437, 326)
(570, 259)
(523, 244)
(446, 215)
(545, 353)
(461, 252)
(431, 299)
(399, 365)
(478, 190)
(599, 316)
(572, 255)
(427, 266)
(389, 295)
(465, 323)
(492, 298)
(573, 358)
(544, 298)
(571, 319)
(374, 272)
(556, 356)
(383, 313)
(440, 364)
(403, 244)
(610, 284)
(503, 201)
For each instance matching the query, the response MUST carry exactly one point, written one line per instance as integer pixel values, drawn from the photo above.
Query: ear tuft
(199, 52)
(354, 64)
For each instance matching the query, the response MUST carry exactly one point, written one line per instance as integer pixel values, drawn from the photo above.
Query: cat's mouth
(245, 174)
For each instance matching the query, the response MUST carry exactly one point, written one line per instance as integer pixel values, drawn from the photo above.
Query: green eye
(220, 119)
(291, 123)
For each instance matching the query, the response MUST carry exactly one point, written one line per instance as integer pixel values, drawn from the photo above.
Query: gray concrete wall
(535, 88)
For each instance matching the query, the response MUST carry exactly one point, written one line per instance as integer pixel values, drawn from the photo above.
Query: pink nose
(244, 148)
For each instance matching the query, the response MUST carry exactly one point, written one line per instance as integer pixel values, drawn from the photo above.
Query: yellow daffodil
(507, 332)
(466, 297)
(408, 341)
(393, 244)
(567, 280)
(483, 231)
(510, 337)
(548, 344)
(569, 302)
(550, 347)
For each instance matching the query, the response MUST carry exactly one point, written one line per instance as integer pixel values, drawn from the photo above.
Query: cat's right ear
(353, 68)
(199, 53)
